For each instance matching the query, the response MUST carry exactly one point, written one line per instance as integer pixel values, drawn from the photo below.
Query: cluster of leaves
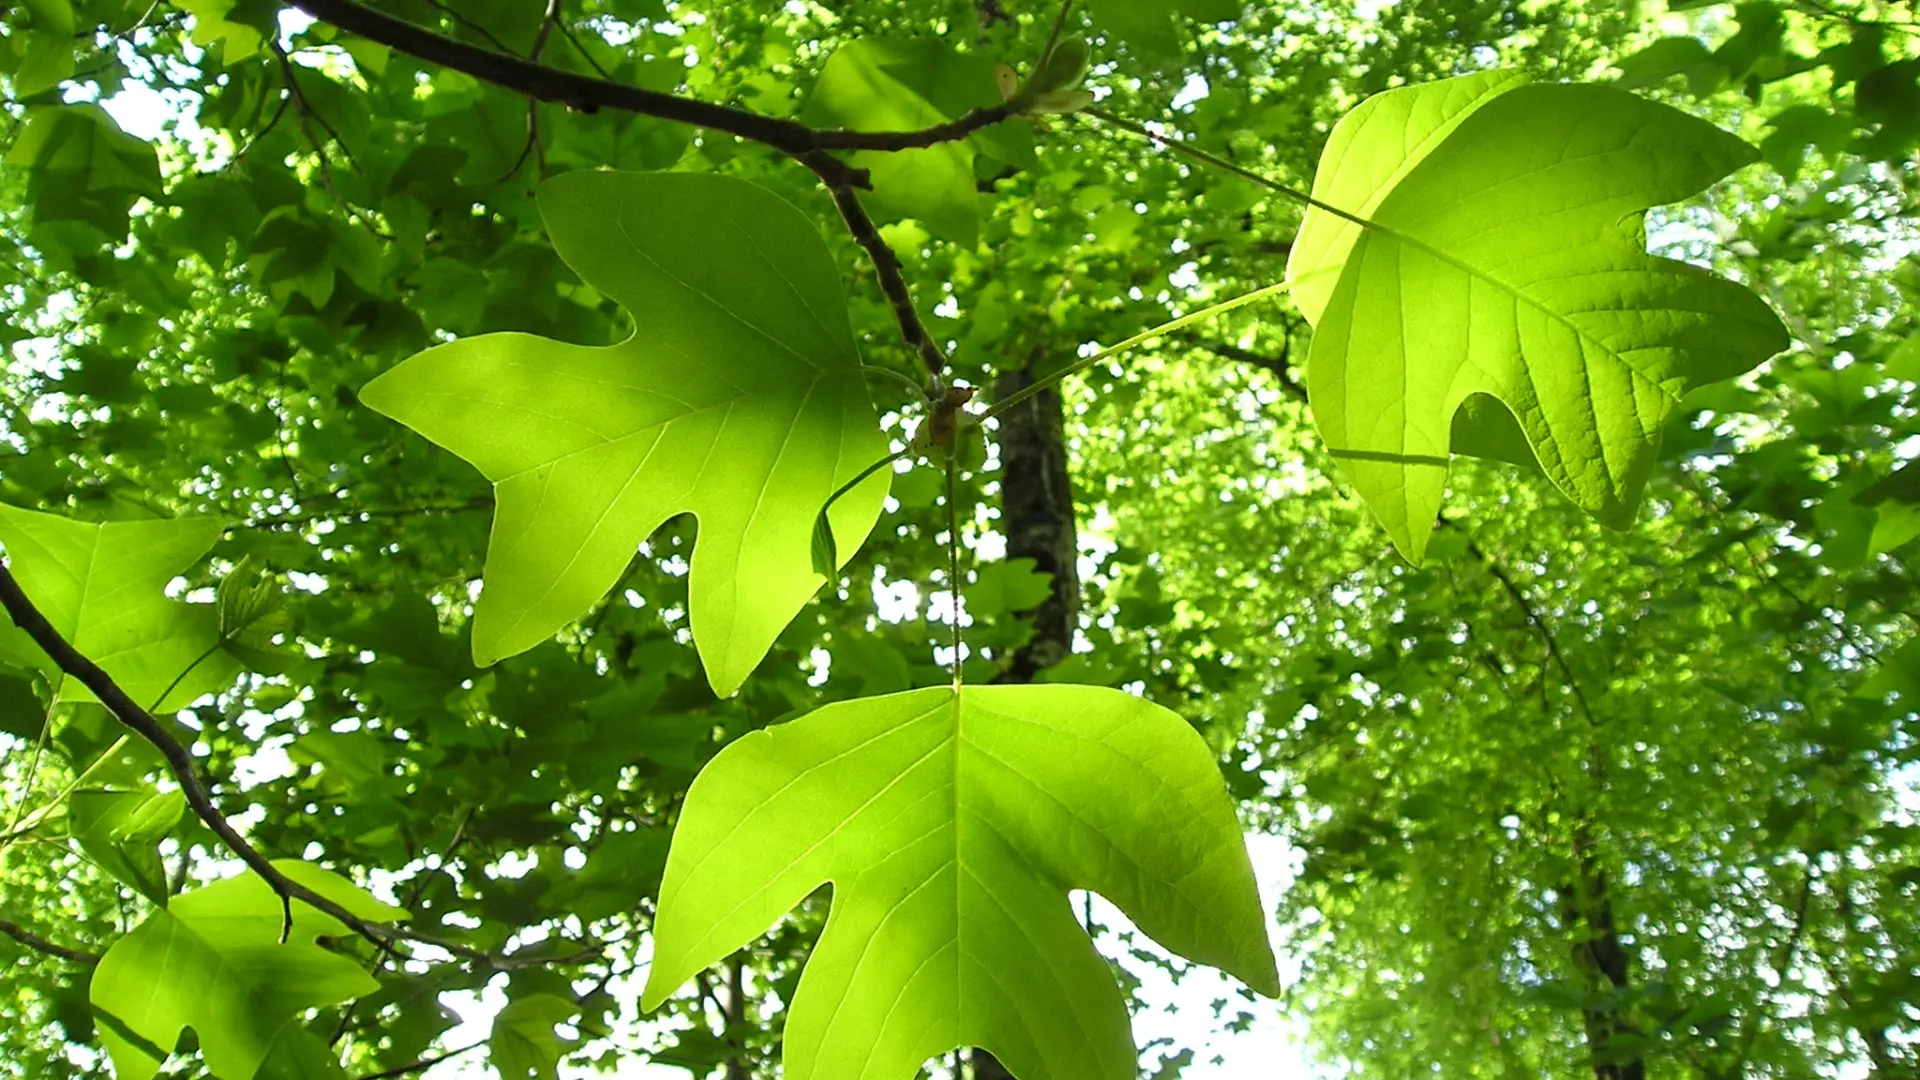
(206, 329)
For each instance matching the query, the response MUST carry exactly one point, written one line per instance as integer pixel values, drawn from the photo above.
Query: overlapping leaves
(213, 960)
(952, 824)
(102, 586)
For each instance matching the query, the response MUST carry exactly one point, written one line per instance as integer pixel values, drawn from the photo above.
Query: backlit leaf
(738, 399)
(102, 587)
(952, 825)
(213, 961)
(1509, 260)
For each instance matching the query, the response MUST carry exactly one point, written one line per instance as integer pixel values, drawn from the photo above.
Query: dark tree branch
(39, 944)
(589, 94)
(1272, 365)
(886, 267)
(180, 761)
(1535, 619)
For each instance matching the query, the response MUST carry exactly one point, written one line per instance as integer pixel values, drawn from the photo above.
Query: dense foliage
(1615, 777)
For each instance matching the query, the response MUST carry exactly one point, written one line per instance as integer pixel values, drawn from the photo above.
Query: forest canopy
(959, 538)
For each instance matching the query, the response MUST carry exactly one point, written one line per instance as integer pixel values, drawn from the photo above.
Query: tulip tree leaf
(952, 824)
(212, 960)
(523, 1044)
(1148, 25)
(881, 85)
(738, 399)
(81, 167)
(1509, 261)
(102, 587)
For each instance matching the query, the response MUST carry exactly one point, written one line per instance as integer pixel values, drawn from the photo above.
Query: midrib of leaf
(1519, 297)
(805, 390)
(717, 305)
(832, 833)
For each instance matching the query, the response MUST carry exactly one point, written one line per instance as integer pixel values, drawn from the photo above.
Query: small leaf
(524, 1045)
(952, 825)
(826, 559)
(1064, 67)
(245, 600)
(904, 85)
(102, 587)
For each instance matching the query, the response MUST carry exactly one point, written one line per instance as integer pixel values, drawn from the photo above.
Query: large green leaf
(738, 399)
(953, 824)
(102, 586)
(1508, 259)
(213, 961)
(881, 85)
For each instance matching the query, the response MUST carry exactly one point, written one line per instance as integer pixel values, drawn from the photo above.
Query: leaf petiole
(920, 393)
(1140, 338)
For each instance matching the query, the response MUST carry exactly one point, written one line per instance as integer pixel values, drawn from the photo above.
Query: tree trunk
(1036, 514)
(1586, 913)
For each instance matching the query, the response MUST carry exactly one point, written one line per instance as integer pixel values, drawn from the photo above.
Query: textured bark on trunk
(1586, 913)
(1036, 514)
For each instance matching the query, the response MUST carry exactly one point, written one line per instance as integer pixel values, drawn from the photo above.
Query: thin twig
(1536, 620)
(423, 1064)
(887, 268)
(39, 944)
(180, 761)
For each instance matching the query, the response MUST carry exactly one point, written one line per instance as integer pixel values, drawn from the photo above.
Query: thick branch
(588, 94)
(39, 944)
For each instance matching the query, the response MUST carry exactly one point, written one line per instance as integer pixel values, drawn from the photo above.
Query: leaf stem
(862, 475)
(919, 392)
(1187, 149)
(1142, 337)
(953, 557)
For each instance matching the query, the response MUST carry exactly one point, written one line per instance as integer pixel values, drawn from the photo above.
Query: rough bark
(1586, 913)
(1036, 515)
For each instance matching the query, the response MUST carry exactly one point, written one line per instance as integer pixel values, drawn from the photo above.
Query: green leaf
(882, 85)
(739, 399)
(1666, 58)
(47, 64)
(103, 588)
(120, 830)
(243, 24)
(213, 961)
(246, 602)
(81, 167)
(52, 15)
(523, 1044)
(1003, 587)
(953, 824)
(1148, 25)
(1508, 259)
(299, 1054)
